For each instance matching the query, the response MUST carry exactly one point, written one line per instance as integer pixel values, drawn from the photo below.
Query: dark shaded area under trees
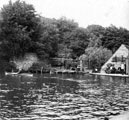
(23, 31)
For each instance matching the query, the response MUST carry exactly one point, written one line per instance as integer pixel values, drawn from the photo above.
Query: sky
(84, 12)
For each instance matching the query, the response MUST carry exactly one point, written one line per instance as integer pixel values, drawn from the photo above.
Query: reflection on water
(58, 97)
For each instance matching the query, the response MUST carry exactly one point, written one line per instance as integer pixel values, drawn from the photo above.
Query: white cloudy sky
(85, 12)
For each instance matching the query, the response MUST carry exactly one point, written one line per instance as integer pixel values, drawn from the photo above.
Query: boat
(18, 73)
(11, 73)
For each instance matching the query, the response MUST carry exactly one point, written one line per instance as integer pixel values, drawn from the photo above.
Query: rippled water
(62, 97)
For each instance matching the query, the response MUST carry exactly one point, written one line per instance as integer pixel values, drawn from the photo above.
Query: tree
(95, 34)
(48, 47)
(62, 37)
(19, 29)
(78, 42)
(97, 56)
(114, 37)
(54, 38)
(65, 28)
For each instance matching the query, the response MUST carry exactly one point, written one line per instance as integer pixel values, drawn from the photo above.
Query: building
(121, 56)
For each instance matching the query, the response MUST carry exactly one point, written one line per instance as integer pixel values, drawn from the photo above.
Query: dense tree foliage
(65, 28)
(95, 33)
(113, 37)
(65, 38)
(79, 42)
(48, 41)
(97, 56)
(19, 29)
(23, 31)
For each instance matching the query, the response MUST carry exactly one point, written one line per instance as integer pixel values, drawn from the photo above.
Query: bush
(97, 56)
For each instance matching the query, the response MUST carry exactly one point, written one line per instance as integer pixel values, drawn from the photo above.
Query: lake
(62, 97)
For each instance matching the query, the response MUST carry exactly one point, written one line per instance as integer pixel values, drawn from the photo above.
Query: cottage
(121, 56)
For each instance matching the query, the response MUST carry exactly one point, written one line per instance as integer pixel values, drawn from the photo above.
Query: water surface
(62, 97)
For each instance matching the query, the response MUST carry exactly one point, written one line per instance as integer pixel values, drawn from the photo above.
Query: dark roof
(127, 46)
